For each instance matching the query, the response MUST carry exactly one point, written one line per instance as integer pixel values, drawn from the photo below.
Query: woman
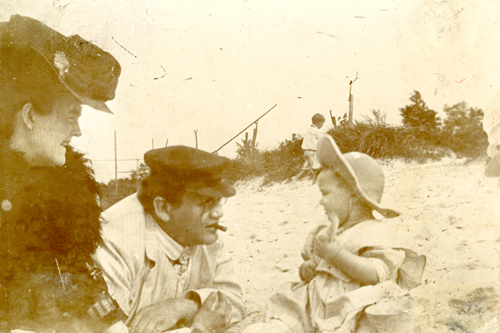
(50, 213)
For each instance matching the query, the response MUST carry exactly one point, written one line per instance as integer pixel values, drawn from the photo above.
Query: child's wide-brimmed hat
(361, 173)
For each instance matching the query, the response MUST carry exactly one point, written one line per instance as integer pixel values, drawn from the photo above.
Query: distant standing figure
(311, 163)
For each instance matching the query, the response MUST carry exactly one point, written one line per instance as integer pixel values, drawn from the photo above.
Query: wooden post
(196, 138)
(254, 140)
(243, 130)
(166, 143)
(334, 121)
(351, 108)
(351, 100)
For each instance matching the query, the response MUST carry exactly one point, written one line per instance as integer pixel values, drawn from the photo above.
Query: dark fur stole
(50, 226)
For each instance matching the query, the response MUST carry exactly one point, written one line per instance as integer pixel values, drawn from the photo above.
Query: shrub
(274, 165)
(463, 130)
(371, 136)
(418, 114)
(387, 142)
(114, 191)
(421, 138)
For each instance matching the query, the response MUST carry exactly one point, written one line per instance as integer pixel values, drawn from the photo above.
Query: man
(163, 256)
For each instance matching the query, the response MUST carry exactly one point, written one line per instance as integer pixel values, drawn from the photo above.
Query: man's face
(53, 132)
(194, 221)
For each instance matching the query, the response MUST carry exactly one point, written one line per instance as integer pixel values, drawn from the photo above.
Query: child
(349, 264)
(311, 163)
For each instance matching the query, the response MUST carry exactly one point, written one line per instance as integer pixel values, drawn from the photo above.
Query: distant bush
(418, 114)
(273, 165)
(388, 142)
(371, 136)
(114, 191)
(463, 130)
(422, 137)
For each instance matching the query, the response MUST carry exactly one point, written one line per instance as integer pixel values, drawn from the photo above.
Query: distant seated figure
(314, 133)
(163, 254)
(350, 264)
(491, 125)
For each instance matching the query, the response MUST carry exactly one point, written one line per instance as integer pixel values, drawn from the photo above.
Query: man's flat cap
(87, 71)
(201, 170)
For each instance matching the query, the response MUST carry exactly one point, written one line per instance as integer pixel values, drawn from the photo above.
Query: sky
(215, 66)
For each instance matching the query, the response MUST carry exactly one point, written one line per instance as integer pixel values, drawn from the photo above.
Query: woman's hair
(25, 77)
(168, 185)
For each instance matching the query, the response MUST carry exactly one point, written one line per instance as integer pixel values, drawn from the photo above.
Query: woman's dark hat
(87, 71)
(201, 171)
(361, 173)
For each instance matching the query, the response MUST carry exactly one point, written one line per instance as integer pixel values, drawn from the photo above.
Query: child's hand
(307, 270)
(308, 250)
(324, 247)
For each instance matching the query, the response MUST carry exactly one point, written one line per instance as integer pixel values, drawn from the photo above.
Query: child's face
(335, 197)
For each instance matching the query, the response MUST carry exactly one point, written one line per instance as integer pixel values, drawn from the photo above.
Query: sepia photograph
(249, 166)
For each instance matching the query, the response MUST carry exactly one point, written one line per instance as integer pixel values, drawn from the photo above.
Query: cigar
(220, 227)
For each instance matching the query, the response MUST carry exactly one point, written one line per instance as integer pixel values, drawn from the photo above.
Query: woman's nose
(76, 130)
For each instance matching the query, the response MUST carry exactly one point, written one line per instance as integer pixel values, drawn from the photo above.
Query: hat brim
(93, 103)
(223, 189)
(329, 156)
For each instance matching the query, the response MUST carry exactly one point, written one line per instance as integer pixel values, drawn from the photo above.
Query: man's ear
(162, 209)
(28, 116)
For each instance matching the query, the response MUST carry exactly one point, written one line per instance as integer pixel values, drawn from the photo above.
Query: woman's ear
(28, 116)
(162, 209)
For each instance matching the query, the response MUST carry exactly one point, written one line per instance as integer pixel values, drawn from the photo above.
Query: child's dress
(332, 301)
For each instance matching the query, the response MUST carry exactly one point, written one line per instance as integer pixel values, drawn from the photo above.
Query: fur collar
(57, 206)
(50, 227)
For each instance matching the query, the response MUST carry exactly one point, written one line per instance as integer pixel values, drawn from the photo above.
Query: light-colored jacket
(137, 261)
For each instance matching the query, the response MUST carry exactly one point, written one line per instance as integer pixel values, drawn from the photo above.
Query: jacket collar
(158, 242)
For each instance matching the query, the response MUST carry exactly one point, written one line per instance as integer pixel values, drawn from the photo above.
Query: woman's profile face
(51, 133)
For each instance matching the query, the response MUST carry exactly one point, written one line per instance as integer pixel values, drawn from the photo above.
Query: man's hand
(214, 316)
(161, 316)
(307, 270)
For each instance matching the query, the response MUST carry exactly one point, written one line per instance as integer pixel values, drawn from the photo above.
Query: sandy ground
(450, 210)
